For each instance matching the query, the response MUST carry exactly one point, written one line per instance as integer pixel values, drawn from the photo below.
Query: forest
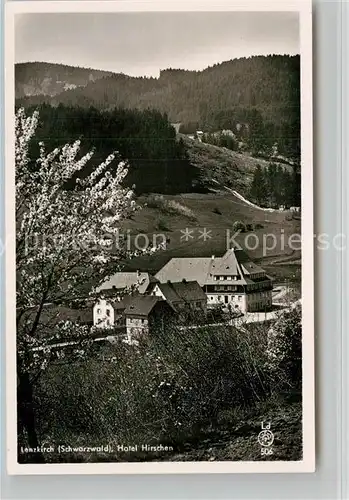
(144, 138)
(256, 97)
(275, 186)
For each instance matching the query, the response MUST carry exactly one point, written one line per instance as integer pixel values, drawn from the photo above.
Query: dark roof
(182, 291)
(120, 305)
(53, 314)
(142, 305)
(248, 267)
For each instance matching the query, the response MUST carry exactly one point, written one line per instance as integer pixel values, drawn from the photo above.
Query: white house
(133, 314)
(105, 314)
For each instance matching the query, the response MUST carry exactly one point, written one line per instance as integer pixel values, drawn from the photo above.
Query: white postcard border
(307, 464)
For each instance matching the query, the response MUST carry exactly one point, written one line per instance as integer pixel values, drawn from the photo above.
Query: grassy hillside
(217, 212)
(228, 168)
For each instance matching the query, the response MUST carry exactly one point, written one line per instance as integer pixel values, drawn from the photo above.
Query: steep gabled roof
(187, 291)
(142, 305)
(226, 265)
(248, 267)
(204, 269)
(190, 268)
(121, 281)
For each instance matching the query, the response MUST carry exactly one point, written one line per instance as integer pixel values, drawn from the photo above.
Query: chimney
(212, 258)
(138, 273)
(184, 280)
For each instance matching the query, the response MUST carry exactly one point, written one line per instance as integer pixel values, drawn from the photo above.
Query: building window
(108, 322)
(239, 297)
(108, 312)
(221, 278)
(219, 297)
(98, 311)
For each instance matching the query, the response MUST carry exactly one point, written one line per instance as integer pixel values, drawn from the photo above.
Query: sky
(140, 44)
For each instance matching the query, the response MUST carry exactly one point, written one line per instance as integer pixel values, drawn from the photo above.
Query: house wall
(226, 298)
(103, 314)
(251, 302)
(157, 292)
(259, 301)
(136, 326)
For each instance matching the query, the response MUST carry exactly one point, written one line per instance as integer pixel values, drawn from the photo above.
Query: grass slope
(221, 165)
(217, 212)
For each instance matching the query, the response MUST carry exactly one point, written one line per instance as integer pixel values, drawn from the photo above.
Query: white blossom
(61, 243)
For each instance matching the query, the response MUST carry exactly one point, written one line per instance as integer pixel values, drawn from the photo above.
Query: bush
(285, 350)
(258, 226)
(249, 227)
(162, 225)
(239, 226)
(170, 207)
(168, 388)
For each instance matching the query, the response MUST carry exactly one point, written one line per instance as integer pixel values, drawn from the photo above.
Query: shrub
(285, 350)
(239, 226)
(162, 225)
(258, 226)
(249, 227)
(169, 387)
(170, 207)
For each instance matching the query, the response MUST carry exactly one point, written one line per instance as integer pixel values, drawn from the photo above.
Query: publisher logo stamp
(266, 439)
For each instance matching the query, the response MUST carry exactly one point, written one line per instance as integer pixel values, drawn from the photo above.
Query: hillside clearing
(215, 212)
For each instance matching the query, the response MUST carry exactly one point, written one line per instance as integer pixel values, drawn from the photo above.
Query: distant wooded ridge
(257, 97)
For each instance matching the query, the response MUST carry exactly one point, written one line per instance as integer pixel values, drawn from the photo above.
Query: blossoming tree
(65, 239)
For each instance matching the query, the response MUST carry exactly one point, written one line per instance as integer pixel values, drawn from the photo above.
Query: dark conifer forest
(157, 160)
(257, 99)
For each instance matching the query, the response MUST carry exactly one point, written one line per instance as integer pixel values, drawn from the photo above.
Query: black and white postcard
(159, 224)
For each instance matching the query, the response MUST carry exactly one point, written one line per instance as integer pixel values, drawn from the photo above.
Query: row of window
(140, 321)
(257, 276)
(255, 296)
(226, 297)
(258, 286)
(228, 288)
(261, 305)
(228, 278)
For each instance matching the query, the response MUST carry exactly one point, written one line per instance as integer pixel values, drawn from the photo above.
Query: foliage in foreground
(61, 237)
(168, 389)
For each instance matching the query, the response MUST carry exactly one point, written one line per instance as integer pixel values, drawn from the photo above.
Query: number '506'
(266, 451)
